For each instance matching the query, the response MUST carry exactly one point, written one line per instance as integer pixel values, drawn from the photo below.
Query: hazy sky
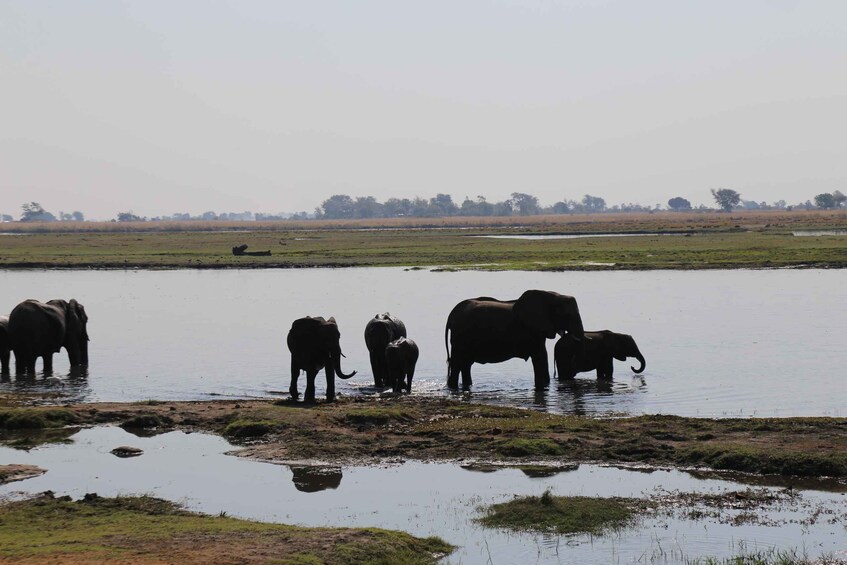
(179, 106)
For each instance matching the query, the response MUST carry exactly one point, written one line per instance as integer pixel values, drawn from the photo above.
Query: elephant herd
(478, 330)
(35, 329)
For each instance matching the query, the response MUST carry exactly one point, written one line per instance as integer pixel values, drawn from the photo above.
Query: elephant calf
(381, 330)
(39, 329)
(596, 351)
(401, 356)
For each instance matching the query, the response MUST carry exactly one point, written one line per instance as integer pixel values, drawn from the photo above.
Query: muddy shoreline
(365, 431)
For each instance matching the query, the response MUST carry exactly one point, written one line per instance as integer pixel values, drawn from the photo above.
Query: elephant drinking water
(40, 330)
(314, 343)
(596, 351)
(487, 330)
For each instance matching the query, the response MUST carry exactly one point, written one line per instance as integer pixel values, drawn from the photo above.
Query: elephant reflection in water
(309, 478)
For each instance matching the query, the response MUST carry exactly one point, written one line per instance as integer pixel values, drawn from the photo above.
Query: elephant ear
(536, 310)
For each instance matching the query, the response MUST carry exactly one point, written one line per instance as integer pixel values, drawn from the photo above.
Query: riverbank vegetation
(665, 240)
(149, 530)
(370, 430)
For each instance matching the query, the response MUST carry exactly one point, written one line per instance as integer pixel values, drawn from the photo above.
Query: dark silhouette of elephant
(5, 345)
(401, 356)
(307, 478)
(595, 352)
(38, 330)
(381, 330)
(487, 330)
(314, 344)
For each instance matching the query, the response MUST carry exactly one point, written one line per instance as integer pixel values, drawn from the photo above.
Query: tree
(726, 198)
(825, 201)
(593, 203)
(679, 203)
(442, 205)
(526, 204)
(367, 207)
(129, 217)
(397, 207)
(337, 206)
(561, 207)
(34, 212)
(839, 198)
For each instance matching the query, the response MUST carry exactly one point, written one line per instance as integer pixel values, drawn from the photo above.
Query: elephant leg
(330, 385)
(467, 381)
(605, 369)
(309, 395)
(48, 363)
(409, 376)
(295, 374)
(539, 368)
(453, 375)
(376, 368)
(4, 362)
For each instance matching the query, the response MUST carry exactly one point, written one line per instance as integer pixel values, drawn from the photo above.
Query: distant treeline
(344, 207)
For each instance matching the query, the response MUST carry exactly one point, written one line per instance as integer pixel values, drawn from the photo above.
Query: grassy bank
(149, 530)
(738, 240)
(369, 430)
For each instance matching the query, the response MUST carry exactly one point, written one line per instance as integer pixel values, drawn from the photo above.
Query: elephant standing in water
(487, 330)
(5, 345)
(381, 330)
(596, 351)
(401, 356)
(314, 344)
(40, 330)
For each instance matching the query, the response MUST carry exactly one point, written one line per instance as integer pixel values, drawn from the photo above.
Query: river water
(426, 499)
(717, 343)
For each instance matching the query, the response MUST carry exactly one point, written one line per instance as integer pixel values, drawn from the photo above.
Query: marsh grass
(563, 514)
(742, 240)
(146, 529)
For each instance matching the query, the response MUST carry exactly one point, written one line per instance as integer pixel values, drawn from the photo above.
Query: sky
(159, 107)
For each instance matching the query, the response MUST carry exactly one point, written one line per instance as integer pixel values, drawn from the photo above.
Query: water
(717, 343)
(424, 499)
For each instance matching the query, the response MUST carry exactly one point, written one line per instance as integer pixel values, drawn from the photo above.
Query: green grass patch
(379, 415)
(145, 529)
(33, 419)
(521, 447)
(765, 461)
(145, 422)
(249, 428)
(563, 514)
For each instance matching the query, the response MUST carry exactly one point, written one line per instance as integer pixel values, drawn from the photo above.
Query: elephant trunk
(337, 363)
(641, 360)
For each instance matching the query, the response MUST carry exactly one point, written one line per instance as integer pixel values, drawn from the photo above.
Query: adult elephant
(381, 330)
(314, 344)
(38, 330)
(5, 345)
(487, 330)
(595, 352)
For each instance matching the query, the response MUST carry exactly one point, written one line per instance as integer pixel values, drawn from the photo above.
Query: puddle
(580, 235)
(421, 498)
(811, 233)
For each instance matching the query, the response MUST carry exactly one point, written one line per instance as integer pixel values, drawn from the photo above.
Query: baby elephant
(401, 355)
(595, 351)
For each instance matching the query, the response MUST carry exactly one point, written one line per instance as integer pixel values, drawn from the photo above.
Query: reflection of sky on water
(421, 498)
(717, 343)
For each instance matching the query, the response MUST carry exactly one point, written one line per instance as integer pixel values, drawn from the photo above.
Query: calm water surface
(424, 499)
(717, 343)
